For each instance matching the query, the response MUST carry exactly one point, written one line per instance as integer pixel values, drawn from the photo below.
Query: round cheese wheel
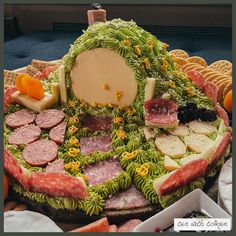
(101, 75)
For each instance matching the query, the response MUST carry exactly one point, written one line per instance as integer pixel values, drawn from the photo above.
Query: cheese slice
(159, 181)
(149, 89)
(36, 105)
(202, 127)
(55, 89)
(180, 130)
(187, 159)
(170, 164)
(62, 82)
(148, 133)
(101, 75)
(170, 145)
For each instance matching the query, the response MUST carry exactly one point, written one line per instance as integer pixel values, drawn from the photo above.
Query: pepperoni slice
(161, 111)
(7, 96)
(48, 70)
(184, 175)
(41, 152)
(57, 134)
(20, 118)
(47, 119)
(222, 114)
(57, 185)
(13, 168)
(211, 90)
(196, 77)
(25, 135)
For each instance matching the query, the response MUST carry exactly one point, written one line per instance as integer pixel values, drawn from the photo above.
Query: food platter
(115, 128)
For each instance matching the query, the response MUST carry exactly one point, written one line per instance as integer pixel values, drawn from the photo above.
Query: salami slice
(89, 145)
(222, 114)
(211, 90)
(102, 171)
(40, 153)
(47, 119)
(184, 175)
(98, 15)
(196, 77)
(98, 123)
(127, 199)
(129, 225)
(56, 167)
(7, 96)
(161, 112)
(57, 134)
(48, 70)
(25, 135)
(13, 168)
(57, 185)
(221, 148)
(20, 118)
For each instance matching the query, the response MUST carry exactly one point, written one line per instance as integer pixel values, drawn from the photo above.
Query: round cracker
(207, 75)
(188, 65)
(227, 88)
(199, 69)
(222, 66)
(191, 67)
(198, 60)
(179, 53)
(218, 82)
(212, 77)
(221, 88)
(180, 61)
(205, 71)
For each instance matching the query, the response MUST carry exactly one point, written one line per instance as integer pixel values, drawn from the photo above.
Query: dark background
(46, 31)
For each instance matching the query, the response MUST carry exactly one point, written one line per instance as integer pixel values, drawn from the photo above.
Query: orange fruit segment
(33, 87)
(228, 101)
(18, 83)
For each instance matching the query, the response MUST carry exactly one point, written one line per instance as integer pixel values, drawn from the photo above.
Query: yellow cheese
(62, 82)
(55, 89)
(149, 88)
(96, 67)
(170, 164)
(33, 104)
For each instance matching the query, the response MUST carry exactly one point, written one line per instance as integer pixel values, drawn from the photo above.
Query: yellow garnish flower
(126, 42)
(131, 111)
(190, 91)
(143, 169)
(121, 134)
(165, 46)
(130, 155)
(164, 65)
(118, 120)
(137, 50)
(171, 84)
(85, 177)
(73, 166)
(74, 141)
(71, 103)
(72, 129)
(74, 119)
(150, 44)
(82, 103)
(73, 152)
(146, 63)
(119, 95)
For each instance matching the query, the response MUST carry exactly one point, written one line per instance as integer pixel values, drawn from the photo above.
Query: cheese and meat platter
(120, 126)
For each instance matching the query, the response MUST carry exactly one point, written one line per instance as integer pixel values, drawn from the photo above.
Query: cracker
(179, 53)
(198, 60)
(32, 70)
(208, 74)
(222, 66)
(40, 65)
(219, 81)
(221, 87)
(9, 78)
(192, 67)
(188, 65)
(227, 88)
(205, 71)
(180, 61)
(212, 77)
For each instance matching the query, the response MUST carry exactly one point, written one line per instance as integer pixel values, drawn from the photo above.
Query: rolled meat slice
(222, 114)
(40, 153)
(57, 185)
(196, 77)
(161, 113)
(24, 135)
(7, 96)
(211, 90)
(13, 169)
(47, 119)
(181, 177)
(57, 134)
(20, 118)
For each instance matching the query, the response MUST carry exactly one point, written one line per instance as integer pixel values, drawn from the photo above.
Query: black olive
(211, 115)
(96, 6)
(191, 105)
(192, 114)
(182, 116)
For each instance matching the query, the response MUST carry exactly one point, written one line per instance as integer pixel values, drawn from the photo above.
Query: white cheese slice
(62, 82)
(180, 130)
(170, 145)
(36, 105)
(55, 89)
(202, 127)
(148, 133)
(170, 164)
(149, 89)
(101, 75)
(158, 182)
(187, 159)
(197, 142)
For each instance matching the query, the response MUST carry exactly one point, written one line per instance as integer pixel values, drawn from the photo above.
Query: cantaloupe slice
(97, 69)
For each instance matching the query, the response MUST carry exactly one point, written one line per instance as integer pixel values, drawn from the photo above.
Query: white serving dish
(28, 221)
(197, 200)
